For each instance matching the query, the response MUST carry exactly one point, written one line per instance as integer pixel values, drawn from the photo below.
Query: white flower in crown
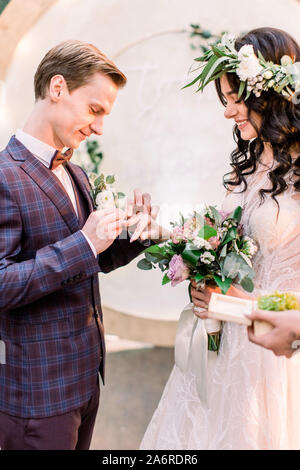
(105, 200)
(249, 66)
(286, 60)
(228, 40)
(246, 52)
(294, 71)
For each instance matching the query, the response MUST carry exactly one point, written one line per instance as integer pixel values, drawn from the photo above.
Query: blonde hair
(77, 62)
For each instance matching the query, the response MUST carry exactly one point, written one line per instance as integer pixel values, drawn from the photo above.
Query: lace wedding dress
(253, 396)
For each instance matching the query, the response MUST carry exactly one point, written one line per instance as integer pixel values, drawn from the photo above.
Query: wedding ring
(295, 346)
(138, 209)
(200, 309)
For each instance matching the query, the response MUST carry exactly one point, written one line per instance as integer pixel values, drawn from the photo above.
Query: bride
(253, 396)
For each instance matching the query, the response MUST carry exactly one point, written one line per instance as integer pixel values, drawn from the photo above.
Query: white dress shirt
(44, 153)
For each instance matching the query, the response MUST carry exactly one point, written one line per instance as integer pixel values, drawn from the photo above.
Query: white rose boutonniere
(104, 194)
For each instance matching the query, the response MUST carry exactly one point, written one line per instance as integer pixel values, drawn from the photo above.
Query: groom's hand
(146, 228)
(103, 227)
(142, 218)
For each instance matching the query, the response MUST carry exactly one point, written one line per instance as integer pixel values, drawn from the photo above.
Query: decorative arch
(17, 17)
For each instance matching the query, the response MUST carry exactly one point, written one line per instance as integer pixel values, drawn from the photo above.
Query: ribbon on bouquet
(191, 349)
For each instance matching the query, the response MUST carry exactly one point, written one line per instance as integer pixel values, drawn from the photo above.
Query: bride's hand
(201, 298)
(146, 228)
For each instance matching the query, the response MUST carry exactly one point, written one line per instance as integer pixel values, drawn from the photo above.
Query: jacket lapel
(46, 180)
(82, 183)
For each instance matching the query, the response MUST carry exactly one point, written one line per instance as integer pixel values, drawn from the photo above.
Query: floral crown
(255, 73)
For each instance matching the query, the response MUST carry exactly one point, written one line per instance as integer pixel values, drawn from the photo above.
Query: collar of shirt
(42, 151)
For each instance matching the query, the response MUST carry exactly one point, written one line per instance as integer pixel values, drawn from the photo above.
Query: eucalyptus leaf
(235, 266)
(223, 252)
(98, 181)
(163, 264)
(150, 258)
(144, 264)
(156, 256)
(110, 179)
(247, 284)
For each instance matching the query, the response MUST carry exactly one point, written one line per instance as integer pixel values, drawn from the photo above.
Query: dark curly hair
(280, 118)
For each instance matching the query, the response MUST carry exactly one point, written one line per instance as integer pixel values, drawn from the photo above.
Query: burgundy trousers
(70, 431)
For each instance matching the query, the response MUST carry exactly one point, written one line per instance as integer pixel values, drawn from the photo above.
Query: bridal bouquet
(103, 192)
(208, 247)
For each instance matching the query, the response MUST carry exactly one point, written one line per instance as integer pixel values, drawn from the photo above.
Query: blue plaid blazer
(50, 309)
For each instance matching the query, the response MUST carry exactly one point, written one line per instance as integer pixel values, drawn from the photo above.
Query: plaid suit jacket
(50, 310)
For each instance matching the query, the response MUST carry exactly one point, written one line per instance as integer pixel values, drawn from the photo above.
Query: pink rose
(178, 271)
(215, 242)
(208, 221)
(177, 235)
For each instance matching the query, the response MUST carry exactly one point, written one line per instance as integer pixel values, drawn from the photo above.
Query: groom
(51, 328)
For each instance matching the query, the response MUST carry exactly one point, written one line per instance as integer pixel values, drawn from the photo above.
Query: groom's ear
(57, 88)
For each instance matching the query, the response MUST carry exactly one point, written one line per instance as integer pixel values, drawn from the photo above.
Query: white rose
(248, 68)
(105, 199)
(245, 52)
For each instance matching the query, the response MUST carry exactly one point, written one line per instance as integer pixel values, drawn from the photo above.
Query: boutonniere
(103, 192)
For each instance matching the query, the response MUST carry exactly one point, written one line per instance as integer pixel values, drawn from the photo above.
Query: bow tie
(59, 158)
